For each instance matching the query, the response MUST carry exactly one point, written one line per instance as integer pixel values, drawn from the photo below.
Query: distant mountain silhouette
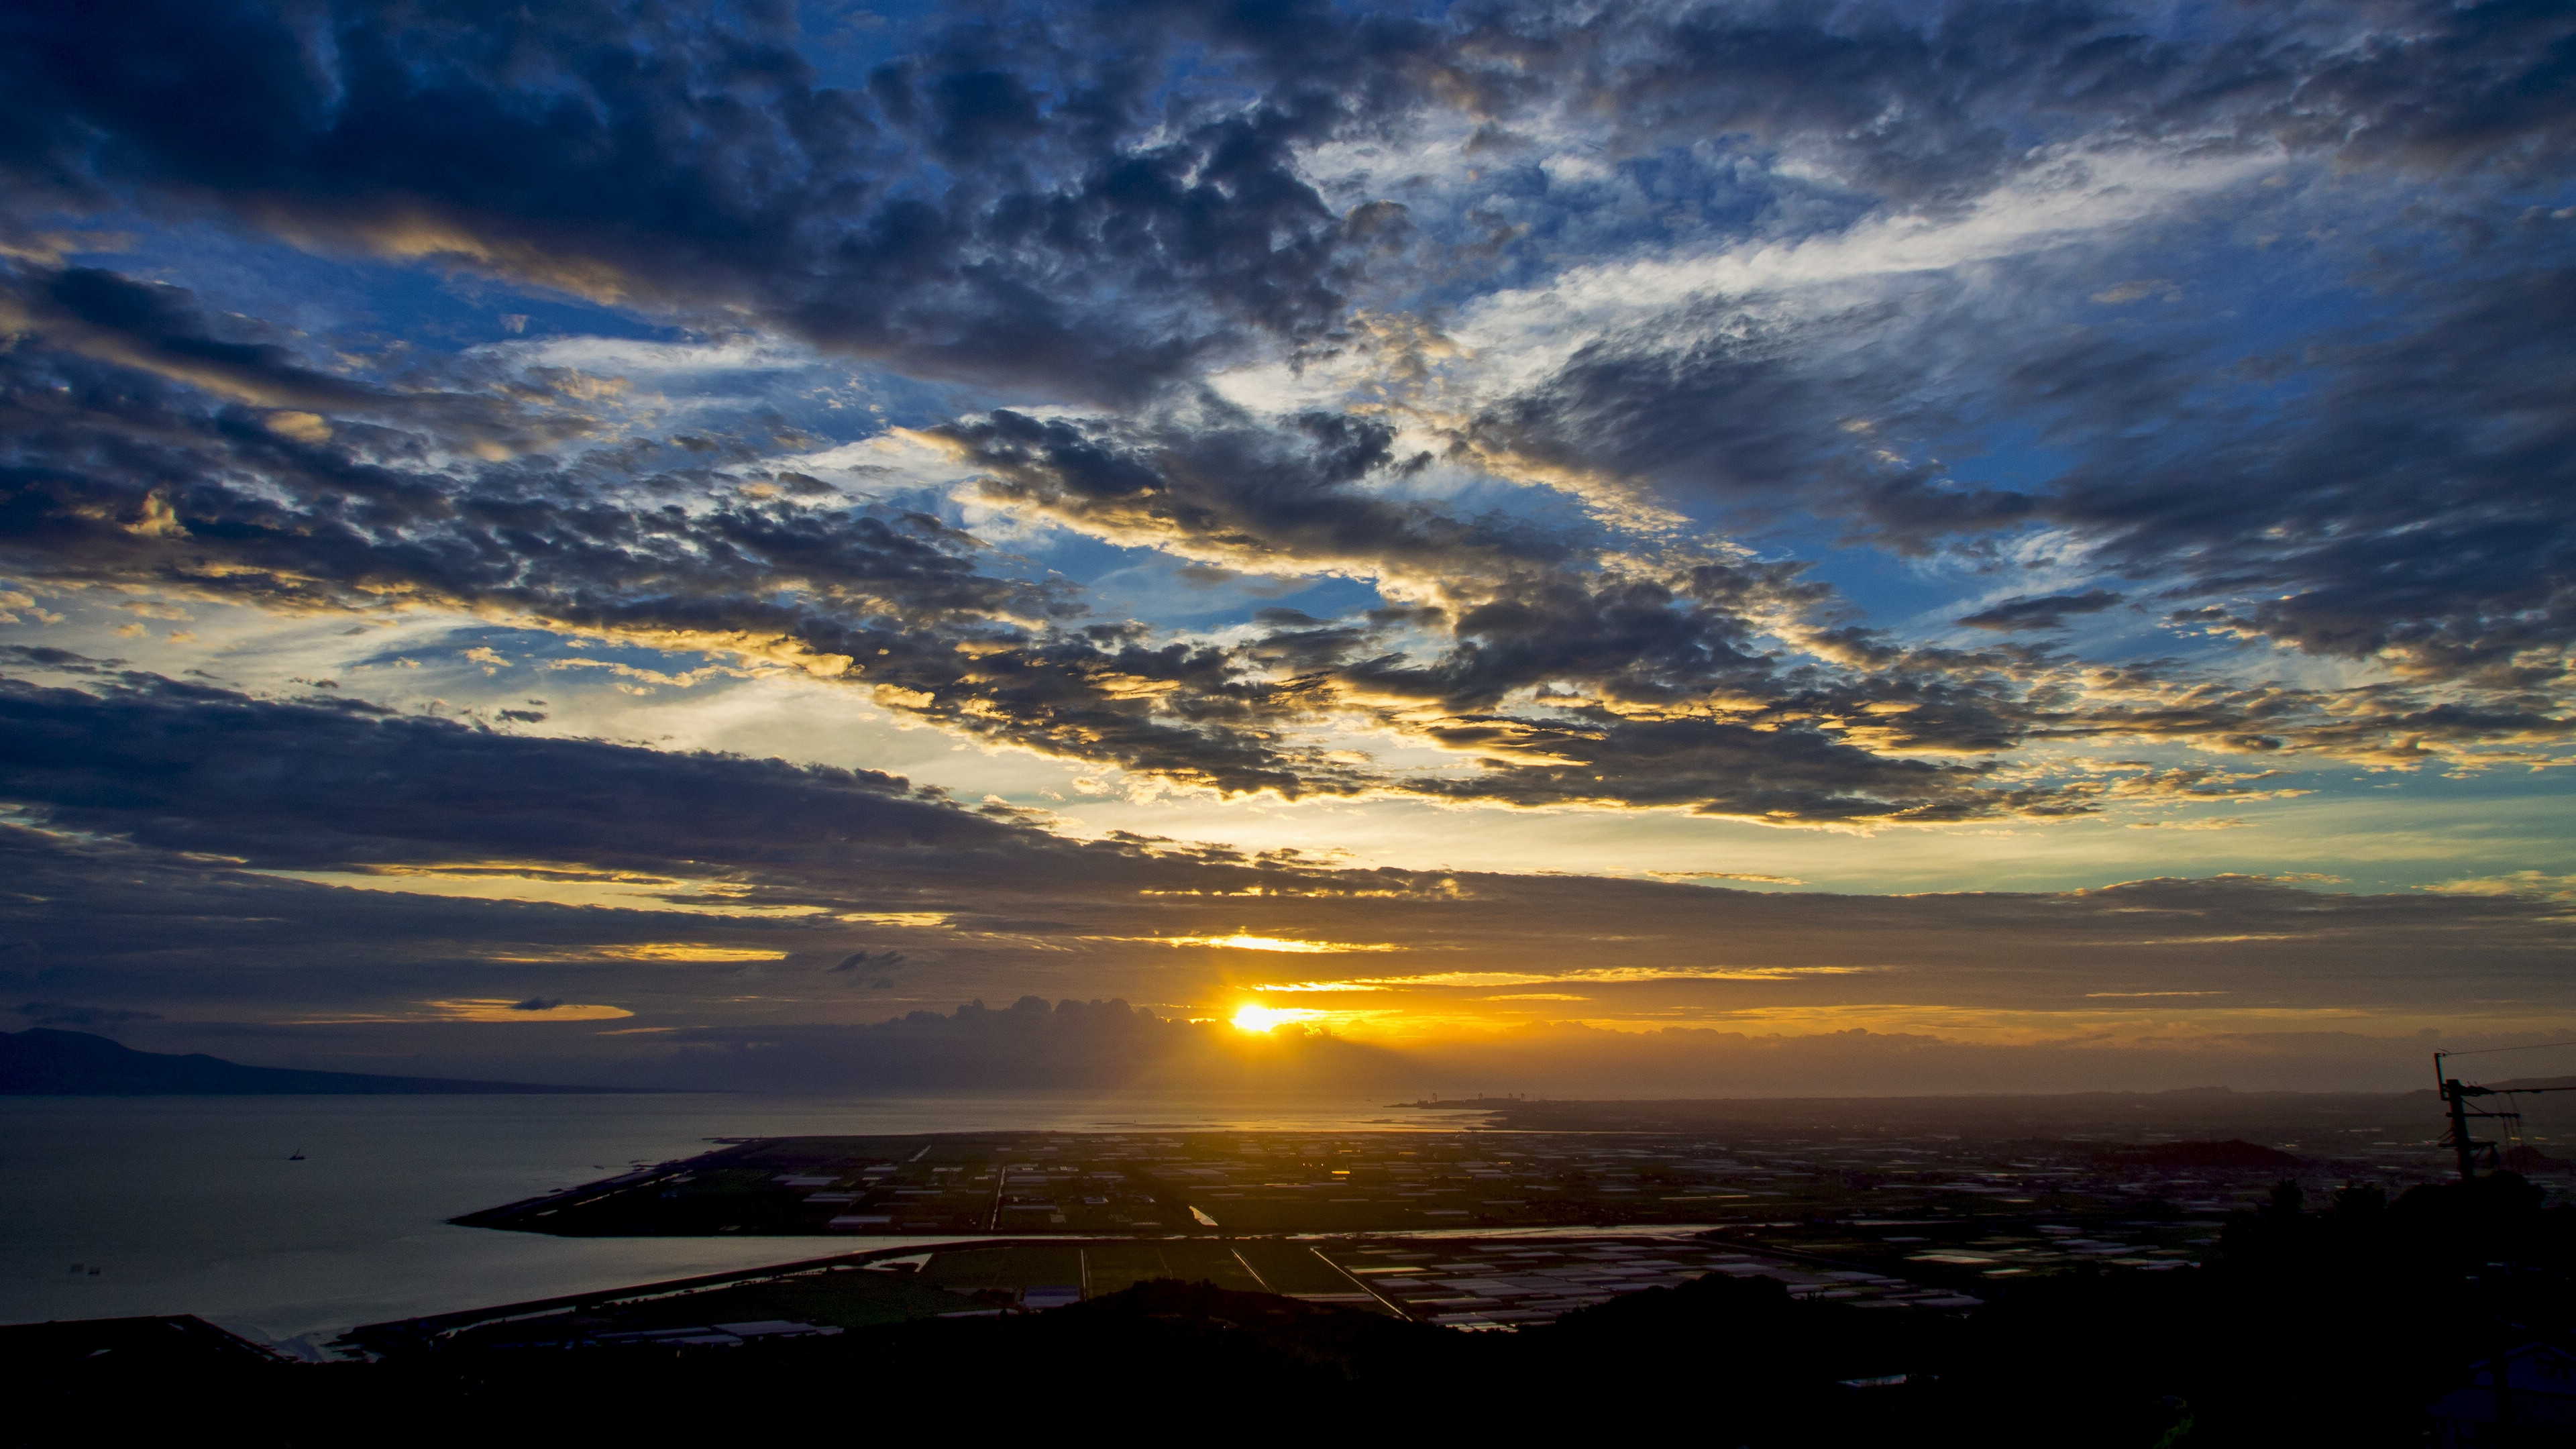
(44, 1062)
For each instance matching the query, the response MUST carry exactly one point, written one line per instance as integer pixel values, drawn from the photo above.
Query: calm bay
(195, 1204)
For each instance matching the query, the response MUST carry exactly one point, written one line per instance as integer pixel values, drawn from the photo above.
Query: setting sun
(1243, 942)
(1263, 1018)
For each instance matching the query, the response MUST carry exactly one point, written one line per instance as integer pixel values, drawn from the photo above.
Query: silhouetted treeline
(2332, 1327)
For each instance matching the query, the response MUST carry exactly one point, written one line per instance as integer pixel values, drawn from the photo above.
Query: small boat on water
(296, 1156)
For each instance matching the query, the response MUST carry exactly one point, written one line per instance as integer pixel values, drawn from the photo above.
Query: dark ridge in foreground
(45, 1062)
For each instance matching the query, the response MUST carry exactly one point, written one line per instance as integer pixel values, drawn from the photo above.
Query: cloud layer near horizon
(193, 864)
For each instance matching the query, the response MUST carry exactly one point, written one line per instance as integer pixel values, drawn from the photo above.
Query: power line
(2532, 1046)
(2455, 1101)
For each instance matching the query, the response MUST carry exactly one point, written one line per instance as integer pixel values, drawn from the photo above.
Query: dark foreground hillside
(2330, 1327)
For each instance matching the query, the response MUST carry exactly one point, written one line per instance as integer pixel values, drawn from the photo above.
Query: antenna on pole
(2455, 1101)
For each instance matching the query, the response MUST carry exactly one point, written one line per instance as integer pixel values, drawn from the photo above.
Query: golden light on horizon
(1257, 1018)
(1241, 941)
(533, 1009)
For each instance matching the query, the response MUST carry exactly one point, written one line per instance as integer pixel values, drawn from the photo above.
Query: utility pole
(2455, 1097)
(2455, 1100)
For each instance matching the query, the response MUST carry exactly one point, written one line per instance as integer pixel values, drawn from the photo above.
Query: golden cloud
(1242, 942)
(496, 1009)
(648, 951)
(1605, 975)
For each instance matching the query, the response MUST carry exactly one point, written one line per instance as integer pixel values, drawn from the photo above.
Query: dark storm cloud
(2386, 490)
(2386, 726)
(1824, 83)
(1715, 767)
(197, 938)
(1102, 200)
(877, 968)
(161, 329)
(2445, 88)
(1521, 611)
(2045, 611)
(326, 785)
(1649, 633)
(2379, 489)
(1059, 200)
(2410, 506)
(993, 205)
(116, 477)
(2416, 83)
(1213, 478)
(1519, 605)
(109, 474)
(113, 474)
(187, 768)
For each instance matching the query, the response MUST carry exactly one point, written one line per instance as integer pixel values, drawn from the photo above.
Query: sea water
(112, 1206)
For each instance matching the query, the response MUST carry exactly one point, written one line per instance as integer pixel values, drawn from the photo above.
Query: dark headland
(45, 1062)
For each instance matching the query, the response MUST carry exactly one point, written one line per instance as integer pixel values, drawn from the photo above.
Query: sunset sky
(1713, 547)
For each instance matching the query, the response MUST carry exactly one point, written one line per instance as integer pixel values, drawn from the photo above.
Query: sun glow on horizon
(1257, 1018)
(1241, 941)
